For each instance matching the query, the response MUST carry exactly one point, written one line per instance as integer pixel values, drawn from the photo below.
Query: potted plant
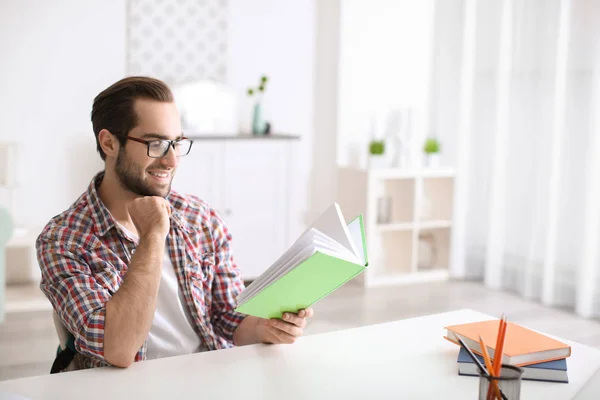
(377, 153)
(258, 122)
(432, 152)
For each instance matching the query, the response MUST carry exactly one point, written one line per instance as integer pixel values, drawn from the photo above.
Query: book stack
(542, 358)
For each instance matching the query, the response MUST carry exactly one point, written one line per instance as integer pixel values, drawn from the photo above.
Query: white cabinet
(248, 182)
(201, 173)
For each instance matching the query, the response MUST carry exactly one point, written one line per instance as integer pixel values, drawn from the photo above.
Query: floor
(28, 341)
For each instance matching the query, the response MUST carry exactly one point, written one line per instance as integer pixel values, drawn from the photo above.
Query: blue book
(551, 371)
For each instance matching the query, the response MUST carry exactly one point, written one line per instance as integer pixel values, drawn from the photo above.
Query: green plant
(432, 145)
(262, 85)
(377, 147)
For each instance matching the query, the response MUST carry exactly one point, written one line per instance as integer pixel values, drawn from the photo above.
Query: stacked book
(542, 358)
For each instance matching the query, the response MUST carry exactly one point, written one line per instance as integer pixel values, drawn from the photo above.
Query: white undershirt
(171, 333)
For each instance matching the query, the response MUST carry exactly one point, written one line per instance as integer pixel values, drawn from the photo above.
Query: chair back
(6, 231)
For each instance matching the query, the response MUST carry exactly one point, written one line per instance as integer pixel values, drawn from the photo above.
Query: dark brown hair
(113, 107)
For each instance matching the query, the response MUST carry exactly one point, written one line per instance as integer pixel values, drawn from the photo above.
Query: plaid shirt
(83, 256)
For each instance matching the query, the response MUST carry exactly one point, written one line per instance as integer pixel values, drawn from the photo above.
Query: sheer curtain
(524, 123)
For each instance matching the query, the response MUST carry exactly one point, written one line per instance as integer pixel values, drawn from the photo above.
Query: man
(134, 270)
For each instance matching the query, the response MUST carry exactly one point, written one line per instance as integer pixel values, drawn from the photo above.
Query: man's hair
(113, 107)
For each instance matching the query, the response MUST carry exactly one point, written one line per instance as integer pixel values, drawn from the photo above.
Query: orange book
(522, 346)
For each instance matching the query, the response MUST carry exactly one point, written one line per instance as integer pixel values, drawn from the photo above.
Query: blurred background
(465, 132)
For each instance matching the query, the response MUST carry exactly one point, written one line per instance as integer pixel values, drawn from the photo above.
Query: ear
(109, 143)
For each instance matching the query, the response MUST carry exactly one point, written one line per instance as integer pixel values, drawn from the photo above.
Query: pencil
(498, 336)
(497, 363)
(482, 369)
(490, 368)
(500, 347)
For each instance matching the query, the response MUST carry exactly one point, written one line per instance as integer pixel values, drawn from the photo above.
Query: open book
(323, 258)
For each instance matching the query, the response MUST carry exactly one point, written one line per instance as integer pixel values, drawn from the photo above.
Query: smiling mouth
(160, 175)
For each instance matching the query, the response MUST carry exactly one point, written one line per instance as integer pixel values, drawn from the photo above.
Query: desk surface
(401, 359)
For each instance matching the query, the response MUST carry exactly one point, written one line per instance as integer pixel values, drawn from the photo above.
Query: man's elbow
(119, 358)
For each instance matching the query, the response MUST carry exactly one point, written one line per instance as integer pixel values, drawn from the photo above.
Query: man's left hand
(287, 329)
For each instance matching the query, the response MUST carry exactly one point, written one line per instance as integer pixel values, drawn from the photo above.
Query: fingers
(306, 313)
(294, 319)
(286, 327)
(277, 336)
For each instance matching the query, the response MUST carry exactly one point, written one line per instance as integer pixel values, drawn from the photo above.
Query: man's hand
(151, 216)
(276, 331)
(287, 330)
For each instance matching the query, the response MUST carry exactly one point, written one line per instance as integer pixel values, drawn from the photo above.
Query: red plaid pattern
(83, 256)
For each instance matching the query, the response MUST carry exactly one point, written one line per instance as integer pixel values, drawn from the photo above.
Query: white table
(406, 359)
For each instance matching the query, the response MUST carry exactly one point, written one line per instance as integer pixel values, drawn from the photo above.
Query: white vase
(432, 160)
(378, 161)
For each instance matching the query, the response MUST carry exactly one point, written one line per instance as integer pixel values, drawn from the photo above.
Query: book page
(357, 231)
(313, 241)
(332, 224)
(329, 235)
(304, 241)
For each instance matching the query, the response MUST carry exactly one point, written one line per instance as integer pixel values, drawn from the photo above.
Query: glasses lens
(156, 148)
(182, 147)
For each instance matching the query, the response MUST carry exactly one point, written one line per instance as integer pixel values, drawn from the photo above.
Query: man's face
(138, 173)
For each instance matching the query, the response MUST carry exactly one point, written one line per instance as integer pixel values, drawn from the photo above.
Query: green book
(323, 258)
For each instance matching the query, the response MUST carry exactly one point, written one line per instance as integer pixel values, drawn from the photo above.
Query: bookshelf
(408, 221)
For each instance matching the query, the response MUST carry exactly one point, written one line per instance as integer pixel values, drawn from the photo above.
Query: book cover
(522, 346)
(551, 371)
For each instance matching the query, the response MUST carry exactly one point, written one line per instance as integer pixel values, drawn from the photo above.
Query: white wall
(326, 105)
(56, 56)
(276, 38)
(385, 63)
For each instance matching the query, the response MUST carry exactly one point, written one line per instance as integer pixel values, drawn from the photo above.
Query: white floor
(26, 298)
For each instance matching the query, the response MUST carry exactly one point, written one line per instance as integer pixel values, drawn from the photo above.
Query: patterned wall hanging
(178, 40)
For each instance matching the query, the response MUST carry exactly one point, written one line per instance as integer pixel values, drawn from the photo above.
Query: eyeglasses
(158, 148)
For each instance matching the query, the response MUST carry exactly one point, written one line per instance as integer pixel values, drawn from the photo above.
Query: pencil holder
(509, 383)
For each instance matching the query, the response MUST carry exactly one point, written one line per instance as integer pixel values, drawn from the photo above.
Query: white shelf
(435, 224)
(404, 173)
(405, 279)
(408, 226)
(418, 202)
(398, 226)
(438, 173)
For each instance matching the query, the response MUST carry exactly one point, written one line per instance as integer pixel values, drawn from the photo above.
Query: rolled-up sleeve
(76, 296)
(227, 284)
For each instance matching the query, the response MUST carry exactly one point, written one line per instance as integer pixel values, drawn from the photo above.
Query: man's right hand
(150, 216)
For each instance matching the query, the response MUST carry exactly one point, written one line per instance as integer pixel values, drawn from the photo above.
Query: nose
(170, 160)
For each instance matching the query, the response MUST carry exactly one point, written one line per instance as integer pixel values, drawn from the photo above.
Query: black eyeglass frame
(149, 142)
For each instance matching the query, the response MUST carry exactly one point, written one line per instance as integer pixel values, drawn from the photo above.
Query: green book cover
(312, 278)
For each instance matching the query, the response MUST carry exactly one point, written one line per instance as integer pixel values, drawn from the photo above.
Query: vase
(258, 123)
(432, 160)
(378, 161)
(427, 251)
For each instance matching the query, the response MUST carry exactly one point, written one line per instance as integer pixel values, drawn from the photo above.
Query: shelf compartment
(394, 201)
(395, 255)
(433, 249)
(435, 200)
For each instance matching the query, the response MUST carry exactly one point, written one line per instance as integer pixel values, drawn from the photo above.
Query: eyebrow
(159, 136)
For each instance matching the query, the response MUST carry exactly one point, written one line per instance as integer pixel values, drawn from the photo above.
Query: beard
(131, 178)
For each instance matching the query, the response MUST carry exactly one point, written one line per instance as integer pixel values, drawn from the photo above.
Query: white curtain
(519, 102)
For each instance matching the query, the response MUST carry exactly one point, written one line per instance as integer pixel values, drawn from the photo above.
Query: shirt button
(133, 251)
